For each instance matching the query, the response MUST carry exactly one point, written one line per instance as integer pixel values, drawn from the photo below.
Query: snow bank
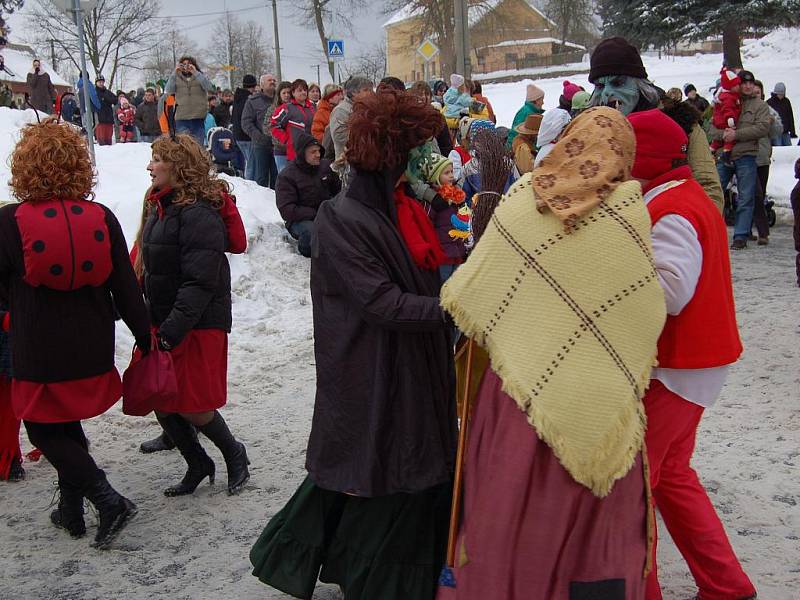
(781, 44)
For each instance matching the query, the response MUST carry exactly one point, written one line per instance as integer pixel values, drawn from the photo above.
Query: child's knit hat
(433, 168)
(477, 125)
(729, 79)
(580, 101)
(533, 93)
(456, 80)
(570, 89)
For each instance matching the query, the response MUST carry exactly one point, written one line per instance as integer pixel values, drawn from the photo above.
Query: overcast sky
(300, 47)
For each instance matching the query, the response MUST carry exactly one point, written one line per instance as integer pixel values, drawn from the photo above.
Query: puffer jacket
(764, 156)
(288, 121)
(302, 188)
(321, 119)
(187, 278)
(754, 124)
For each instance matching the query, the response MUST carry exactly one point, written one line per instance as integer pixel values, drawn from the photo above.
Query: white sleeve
(679, 260)
(455, 158)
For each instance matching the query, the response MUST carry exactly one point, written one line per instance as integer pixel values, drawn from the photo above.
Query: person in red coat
(10, 454)
(65, 276)
(187, 283)
(699, 342)
(727, 110)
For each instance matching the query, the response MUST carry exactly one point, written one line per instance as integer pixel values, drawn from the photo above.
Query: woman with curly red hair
(65, 275)
(187, 283)
(372, 515)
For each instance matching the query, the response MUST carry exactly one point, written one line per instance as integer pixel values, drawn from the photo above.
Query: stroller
(729, 212)
(225, 152)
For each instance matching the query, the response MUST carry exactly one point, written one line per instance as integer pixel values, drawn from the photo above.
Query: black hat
(249, 81)
(615, 56)
(689, 88)
(100, 78)
(747, 76)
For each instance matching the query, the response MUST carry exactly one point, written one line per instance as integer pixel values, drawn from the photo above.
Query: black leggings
(66, 447)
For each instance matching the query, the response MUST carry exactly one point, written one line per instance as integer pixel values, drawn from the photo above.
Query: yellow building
(504, 35)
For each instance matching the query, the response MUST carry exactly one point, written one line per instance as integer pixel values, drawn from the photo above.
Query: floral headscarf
(593, 156)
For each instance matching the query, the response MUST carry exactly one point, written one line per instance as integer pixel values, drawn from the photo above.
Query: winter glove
(163, 344)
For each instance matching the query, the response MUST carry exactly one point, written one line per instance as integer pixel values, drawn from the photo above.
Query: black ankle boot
(200, 465)
(159, 444)
(69, 514)
(234, 452)
(16, 472)
(115, 511)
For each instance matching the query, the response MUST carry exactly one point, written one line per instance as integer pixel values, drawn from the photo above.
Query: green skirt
(387, 548)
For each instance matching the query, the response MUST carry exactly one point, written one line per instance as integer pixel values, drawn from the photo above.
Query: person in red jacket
(699, 342)
(63, 254)
(292, 118)
(727, 109)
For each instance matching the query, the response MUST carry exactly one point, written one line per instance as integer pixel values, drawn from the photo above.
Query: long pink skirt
(529, 531)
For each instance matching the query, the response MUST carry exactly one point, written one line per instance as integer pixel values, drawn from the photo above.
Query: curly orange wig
(385, 127)
(192, 170)
(51, 160)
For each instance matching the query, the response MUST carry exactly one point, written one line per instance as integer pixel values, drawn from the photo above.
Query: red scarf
(155, 196)
(418, 232)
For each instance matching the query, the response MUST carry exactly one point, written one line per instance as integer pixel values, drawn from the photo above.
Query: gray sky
(300, 47)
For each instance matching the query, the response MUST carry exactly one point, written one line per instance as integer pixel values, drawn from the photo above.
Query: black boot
(16, 472)
(115, 511)
(159, 444)
(200, 465)
(234, 452)
(69, 514)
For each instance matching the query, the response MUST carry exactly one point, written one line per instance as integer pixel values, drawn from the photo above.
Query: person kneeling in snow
(699, 341)
(302, 187)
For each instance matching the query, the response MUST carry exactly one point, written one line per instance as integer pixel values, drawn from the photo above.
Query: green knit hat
(434, 167)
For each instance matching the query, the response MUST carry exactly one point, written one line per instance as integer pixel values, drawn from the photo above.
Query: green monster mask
(617, 91)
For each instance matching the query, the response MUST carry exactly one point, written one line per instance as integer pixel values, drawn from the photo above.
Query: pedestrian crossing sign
(336, 49)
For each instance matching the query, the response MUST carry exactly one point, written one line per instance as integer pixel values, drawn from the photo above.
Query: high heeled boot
(200, 464)
(234, 452)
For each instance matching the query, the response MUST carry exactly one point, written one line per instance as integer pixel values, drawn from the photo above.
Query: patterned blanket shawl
(570, 322)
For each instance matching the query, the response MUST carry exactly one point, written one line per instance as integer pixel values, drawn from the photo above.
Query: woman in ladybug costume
(65, 275)
(187, 283)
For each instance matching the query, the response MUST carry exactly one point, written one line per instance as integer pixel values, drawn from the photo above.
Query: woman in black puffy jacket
(187, 283)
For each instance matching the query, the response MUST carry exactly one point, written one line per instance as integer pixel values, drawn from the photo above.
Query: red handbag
(149, 382)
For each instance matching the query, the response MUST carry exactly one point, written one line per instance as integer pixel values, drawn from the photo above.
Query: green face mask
(617, 91)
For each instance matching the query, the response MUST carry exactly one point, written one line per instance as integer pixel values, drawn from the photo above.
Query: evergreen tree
(662, 23)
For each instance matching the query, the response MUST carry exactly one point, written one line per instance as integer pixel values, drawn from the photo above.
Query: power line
(209, 14)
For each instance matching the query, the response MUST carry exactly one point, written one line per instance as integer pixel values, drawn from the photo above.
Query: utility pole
(277, 39)
(461, 14)
(317, 68)
(88, 120)
(53, 53)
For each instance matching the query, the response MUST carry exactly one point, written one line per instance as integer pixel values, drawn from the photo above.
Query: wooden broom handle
(458, 482)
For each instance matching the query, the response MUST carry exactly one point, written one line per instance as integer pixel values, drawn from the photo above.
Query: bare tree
(118, 33)
(239, 48)
(573, 17)
(371, 62)
(318, 14)
(162, 58)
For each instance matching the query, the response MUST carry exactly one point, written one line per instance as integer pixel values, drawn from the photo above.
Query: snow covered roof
(18, 61)
(545, 40)
(476, 12)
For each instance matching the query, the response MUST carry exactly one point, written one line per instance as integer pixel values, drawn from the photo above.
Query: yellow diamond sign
(428, 50)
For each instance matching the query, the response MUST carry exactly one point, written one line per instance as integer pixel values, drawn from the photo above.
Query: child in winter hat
(456, 99)
(570, 89)
(445, 210)
(727, 109)
(534, 93)
(580, 102)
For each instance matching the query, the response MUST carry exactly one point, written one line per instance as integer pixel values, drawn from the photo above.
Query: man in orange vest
(699, 342)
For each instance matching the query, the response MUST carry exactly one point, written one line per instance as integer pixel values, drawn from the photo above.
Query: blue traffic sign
(335, 48)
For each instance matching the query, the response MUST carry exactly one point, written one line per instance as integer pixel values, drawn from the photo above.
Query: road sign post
(428, 51)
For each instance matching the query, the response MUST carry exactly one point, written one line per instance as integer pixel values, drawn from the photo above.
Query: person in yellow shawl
(562, 295)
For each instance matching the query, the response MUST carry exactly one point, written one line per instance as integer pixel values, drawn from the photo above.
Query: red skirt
(65, 401)
(9, 430)
(201, 367)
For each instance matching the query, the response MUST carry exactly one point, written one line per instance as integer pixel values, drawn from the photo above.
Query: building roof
(476, 12)
(18, 60)
(529, 42)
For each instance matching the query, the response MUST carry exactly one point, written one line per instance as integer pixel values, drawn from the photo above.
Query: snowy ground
(197, 547)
